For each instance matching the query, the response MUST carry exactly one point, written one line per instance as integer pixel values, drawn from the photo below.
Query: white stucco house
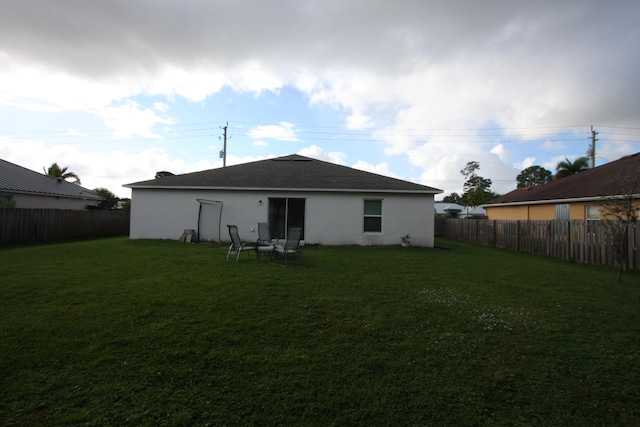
(23, 188)
(333, 204)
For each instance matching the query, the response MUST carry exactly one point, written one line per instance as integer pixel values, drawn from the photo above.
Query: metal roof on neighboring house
(18, 180)
(611, 179)
(293, 172)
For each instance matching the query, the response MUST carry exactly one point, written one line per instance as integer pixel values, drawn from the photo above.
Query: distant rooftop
(604, 180)
(18, 180)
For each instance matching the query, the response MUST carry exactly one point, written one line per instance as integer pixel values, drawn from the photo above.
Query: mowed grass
(120, 332)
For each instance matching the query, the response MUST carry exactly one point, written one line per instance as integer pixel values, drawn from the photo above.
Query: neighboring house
(27, 189)
(575, 197)
(455, 210)
(332, 204)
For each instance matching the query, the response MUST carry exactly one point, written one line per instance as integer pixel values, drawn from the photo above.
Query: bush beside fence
(40, 225)
(586, 242)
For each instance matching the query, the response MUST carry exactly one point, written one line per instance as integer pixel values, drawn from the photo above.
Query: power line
(329, 134)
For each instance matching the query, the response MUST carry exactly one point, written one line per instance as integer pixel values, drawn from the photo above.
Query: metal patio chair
(237, 245)
(264, 244)
(291, 247)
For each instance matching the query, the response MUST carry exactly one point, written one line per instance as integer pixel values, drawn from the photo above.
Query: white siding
(331, 218)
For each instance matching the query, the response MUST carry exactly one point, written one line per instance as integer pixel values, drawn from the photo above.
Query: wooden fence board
(587, 242)
(39, 225)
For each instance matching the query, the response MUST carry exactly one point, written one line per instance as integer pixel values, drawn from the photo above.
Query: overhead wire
(163, 132)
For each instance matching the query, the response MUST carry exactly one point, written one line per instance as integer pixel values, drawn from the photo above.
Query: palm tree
(566, 167)
(57, 172)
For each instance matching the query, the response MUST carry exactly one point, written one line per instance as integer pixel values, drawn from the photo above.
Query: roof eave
(557, 201)
(283, 189)
(67, 196)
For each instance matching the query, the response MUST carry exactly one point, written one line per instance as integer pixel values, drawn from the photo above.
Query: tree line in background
(109, 199)
(477, 189)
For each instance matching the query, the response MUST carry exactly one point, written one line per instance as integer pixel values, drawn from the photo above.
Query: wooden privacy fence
(589, 242)
(39, 225)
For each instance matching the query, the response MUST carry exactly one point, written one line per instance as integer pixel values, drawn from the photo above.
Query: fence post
(549, 238)
(634, 235)
(476, 231)
(570, 251)
(493, 224)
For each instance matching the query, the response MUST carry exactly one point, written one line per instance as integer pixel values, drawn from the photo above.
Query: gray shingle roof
(605, 180)
(18, 180)
(291, 172)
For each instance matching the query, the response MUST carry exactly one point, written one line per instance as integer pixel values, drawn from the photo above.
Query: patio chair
(291, 247)
(264, 244)
(237, 245)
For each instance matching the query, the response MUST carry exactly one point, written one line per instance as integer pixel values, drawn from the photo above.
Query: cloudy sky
(119, 89)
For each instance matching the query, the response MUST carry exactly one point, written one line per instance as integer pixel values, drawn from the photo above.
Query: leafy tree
(620, 211)
(476, 188)
(452, 198)
(125, 204)
(57, 172)
(110, 200)
(567, 167)
(534, 175)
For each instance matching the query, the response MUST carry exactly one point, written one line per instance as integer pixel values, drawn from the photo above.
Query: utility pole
(223, 153)
(592, 148)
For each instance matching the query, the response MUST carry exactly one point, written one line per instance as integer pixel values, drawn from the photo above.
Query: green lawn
(119, 332)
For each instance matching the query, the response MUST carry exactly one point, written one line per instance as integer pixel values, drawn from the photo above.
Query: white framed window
(372, 216)
(593, 213)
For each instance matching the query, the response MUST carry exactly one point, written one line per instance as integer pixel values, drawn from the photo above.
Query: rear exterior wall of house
(331, 218)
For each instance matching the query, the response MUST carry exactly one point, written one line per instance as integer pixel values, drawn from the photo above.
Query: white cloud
(612, 151)
(160, 106)
(74, 132)
(518, 63)
(129, 120)
(554, 145)
(529, 161)
(37, 87)
(358, 120)
(380, 168)
(254, 76)
(194, 83)
(282, 132)
(501, 152)
(316, 152)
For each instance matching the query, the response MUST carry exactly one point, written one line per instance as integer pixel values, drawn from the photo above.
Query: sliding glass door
(285, 213)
